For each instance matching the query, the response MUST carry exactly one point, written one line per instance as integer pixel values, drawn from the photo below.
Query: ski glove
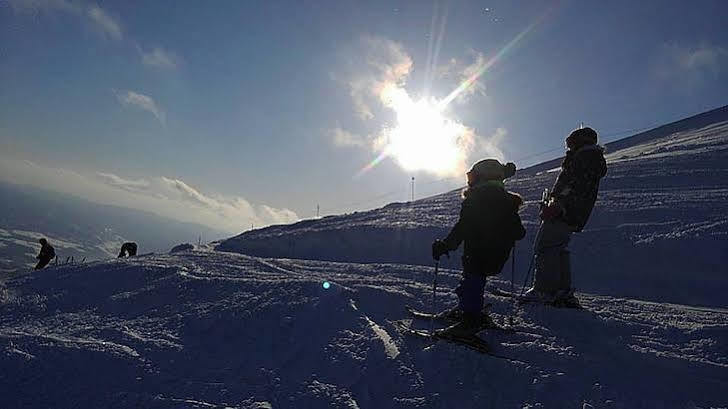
(551, 211)
(438, 249)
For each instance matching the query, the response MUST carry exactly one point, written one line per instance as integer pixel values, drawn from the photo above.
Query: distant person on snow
(47, 253)
(489, 225)
(128, 247)
(570, 204)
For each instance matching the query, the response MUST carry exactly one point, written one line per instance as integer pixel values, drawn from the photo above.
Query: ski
(473, 342)
(415, 313)
(522, 300)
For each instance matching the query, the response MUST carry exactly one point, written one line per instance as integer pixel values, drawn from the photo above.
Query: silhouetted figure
(570, 205)
(47, 253)
(489, 225)
(128, 247)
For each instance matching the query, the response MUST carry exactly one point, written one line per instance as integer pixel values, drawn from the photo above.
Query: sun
(424, 139)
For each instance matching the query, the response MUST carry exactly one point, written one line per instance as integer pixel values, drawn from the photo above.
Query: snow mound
(659, 230)
(210, 329)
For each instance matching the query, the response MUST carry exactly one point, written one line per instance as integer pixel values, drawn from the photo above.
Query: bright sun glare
(424, 139)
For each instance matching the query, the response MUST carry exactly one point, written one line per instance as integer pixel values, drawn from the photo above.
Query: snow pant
(42, 263)
(470, 293)
(553, 265)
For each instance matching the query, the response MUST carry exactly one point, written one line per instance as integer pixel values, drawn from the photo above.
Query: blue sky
(239, 113)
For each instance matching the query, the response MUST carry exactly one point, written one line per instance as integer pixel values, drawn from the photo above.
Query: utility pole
(413, 188)
(318, 209)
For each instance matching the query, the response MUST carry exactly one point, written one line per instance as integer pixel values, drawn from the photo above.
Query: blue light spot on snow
(326, 285)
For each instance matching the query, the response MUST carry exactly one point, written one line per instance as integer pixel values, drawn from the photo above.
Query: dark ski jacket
(489, 225)
(47, 252)
(577, 185)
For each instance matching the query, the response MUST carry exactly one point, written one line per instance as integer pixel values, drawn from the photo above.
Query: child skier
(571, 202)
(489, 225)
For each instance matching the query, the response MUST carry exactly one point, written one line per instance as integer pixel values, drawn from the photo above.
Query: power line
(603, 136)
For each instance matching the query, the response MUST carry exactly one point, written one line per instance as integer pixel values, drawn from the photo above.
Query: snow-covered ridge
(659, 230)
(78, 228)
(210, 329)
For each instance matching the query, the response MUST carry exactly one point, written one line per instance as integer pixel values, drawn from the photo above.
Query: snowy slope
(213, 330)
(659, 230)
(79, 228)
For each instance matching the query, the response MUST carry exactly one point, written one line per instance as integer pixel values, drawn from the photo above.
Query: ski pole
(513, 277)
(513, 265)
(533, 257)
(434, 295)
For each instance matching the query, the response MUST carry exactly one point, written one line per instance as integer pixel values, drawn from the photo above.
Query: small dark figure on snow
(489, 225)
(569, 206)
(128, 247)
(47, 253)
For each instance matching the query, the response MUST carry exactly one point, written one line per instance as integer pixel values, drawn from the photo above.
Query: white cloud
(141, 101)
(386, 64)
(344, 138)
(110, 179)
(105, 22)
(379, 94)
(159, 58)
(457, 71)
(168, 197)
(488, 147)
(691, 64)
(91, 14)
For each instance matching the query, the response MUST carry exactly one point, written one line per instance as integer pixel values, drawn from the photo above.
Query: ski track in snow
(209, 329)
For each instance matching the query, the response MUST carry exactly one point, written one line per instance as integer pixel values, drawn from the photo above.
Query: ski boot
(469, 325)
(566, 299)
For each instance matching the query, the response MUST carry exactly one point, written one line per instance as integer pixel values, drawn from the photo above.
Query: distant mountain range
(81, 229)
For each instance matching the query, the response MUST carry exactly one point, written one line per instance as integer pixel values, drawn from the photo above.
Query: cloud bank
(165, 196)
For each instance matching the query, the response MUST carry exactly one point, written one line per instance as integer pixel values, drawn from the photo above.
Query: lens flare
(424, 138)
(468, 82)
(326, 285)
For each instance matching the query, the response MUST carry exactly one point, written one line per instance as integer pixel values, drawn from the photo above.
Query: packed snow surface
(206, 329)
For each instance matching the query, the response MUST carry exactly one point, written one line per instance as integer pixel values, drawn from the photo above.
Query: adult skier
(489, 225)
(47, 253)
(570, 204)
(128, 247)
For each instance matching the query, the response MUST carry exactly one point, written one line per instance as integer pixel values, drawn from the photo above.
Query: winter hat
(492, 169)
(582, 136)
(42, 241)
